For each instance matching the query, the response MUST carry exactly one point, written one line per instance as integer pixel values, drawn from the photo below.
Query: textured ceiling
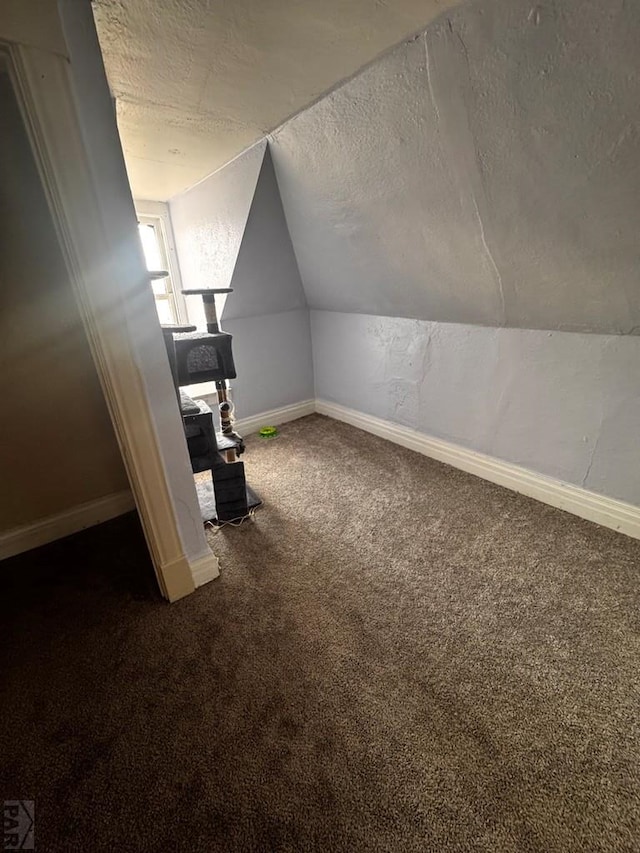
(198, 81)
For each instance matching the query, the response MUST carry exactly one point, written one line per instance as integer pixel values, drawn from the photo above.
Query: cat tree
(197, 357)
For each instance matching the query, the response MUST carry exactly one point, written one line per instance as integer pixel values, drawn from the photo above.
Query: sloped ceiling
(486, 172)
(198, 81)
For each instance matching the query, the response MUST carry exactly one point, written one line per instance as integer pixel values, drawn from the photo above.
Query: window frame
(156, 214)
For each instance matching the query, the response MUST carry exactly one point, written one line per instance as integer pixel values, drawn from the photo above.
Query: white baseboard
(275, 417)
(615, 514)
(608, 512)
(45, 530)
(204, 569)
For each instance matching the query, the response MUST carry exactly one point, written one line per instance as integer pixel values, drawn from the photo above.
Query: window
(154, 245)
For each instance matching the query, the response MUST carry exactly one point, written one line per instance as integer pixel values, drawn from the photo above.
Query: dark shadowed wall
(57, 445)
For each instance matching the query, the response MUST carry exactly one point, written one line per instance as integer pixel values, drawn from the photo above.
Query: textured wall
(273, 359)
(487, 172)
(198, 82)
(57, 446)
(208, 223)
(231, 230)
(563, 404)
(265, 279)
(209, 219)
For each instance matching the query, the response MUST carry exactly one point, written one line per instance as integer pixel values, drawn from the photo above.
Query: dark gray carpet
(398, 656)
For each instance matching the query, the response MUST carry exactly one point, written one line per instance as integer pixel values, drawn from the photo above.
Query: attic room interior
(413, 624)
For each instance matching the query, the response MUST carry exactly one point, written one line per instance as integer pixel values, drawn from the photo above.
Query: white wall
(208, 223)
(563, 404)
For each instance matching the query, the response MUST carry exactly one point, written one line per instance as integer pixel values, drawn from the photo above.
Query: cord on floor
(216, 528)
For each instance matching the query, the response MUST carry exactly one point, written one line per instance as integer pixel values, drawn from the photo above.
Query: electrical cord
(216, 528)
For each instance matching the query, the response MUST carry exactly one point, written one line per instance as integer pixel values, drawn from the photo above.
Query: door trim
(44, 90)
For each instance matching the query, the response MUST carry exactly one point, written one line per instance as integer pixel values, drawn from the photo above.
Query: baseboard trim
(204, 569)
(275, 417)
(615, 514)
(53, 527)
(608, 512)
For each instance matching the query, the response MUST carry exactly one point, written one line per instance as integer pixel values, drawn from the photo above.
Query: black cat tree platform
(196, 357)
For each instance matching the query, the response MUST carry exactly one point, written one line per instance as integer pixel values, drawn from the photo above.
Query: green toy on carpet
(268, 432)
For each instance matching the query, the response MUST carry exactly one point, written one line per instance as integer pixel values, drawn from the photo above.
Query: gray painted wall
(273, 359)
(231, 230)
(487, 172)
(563, 404)
(266, 279)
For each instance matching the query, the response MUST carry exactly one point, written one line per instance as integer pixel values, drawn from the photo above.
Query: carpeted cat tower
(197, 357)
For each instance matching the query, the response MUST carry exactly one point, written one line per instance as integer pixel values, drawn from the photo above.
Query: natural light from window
(155, 255)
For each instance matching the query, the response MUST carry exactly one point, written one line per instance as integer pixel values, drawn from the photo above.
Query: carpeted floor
(397, 657)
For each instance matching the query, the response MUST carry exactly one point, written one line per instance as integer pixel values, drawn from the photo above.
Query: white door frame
(139, 394)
